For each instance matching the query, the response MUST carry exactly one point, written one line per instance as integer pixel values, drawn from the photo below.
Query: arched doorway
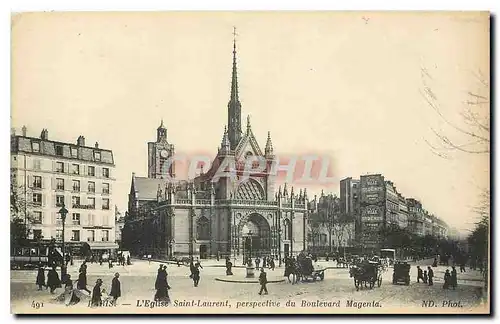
(255, 236)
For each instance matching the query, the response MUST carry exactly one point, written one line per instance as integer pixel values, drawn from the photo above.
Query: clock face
(163, 153)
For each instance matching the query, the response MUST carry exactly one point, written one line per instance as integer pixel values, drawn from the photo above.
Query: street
(336, 294)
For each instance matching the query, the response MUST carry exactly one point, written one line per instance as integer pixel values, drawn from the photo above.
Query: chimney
(80, 141)
(45, 134)
(24, 129)
(96, 145)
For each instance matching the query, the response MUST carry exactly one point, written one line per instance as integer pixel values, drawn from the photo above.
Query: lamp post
(63, 211)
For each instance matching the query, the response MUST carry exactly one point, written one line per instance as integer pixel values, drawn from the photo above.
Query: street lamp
(63, 211)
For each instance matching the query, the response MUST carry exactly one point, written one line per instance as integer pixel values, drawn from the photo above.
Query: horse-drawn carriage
(401, 273)
(366, 273)
(303, 270)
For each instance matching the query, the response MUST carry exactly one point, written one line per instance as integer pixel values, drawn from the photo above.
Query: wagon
(309, 272)
(367, 274)
(401, 273)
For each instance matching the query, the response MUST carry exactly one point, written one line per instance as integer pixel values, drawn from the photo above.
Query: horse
(361, 276)
(293, 269)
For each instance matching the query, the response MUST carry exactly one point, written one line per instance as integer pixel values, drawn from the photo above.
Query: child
(425, 276)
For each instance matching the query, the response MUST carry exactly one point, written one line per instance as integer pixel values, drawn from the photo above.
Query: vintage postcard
(250, 162)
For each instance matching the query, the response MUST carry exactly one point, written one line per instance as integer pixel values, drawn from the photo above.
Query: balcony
(76, 206)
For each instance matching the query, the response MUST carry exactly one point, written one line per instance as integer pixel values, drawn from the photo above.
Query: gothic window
(250, 190)
(203, 229)
(287, 230)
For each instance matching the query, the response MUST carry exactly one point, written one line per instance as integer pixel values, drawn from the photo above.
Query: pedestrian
(196, 274)
(229, 266)
(115, 288)
(198, 264)
(272, 264)
(263, 282)
(430, 272)
(110, 263)
(53, 281)
(257, 262)
(453, 278)
(264, 262)
(149, 258)
(425, 276)
(158, 276)
(434, 264)
(40, 278)
(419, 274)
(83, 267)
(446, 279)
(82, 281)
(128, 260)
(97, 293)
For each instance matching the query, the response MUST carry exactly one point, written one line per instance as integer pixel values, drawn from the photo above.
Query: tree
(315, 224)
(20, 215)
(340, 222)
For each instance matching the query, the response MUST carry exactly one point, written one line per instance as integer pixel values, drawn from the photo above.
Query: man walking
(420, 274)
(453, 278)
(431, 275)
(263, 282)
(115, 288)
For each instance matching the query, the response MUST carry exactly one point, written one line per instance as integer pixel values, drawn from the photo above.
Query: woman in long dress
(53, 281)
(116, 291)
(96, 293)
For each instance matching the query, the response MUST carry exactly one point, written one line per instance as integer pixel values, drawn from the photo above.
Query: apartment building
(48, 174)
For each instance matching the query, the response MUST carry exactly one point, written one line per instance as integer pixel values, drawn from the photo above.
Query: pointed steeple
(269, 145)
(225, 144)
(161, 132)
(234, 105)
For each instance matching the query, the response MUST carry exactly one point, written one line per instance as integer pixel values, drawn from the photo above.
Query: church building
(241, 215)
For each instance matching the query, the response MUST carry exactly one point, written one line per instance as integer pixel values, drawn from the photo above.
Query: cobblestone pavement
(337, 289)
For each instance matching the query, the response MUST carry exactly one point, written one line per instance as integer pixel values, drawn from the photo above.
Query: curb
(248, 281)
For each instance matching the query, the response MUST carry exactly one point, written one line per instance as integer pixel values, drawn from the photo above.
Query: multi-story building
(415, 217)
(403, 212)
(119, 224)
(48, 174)
(349, 203)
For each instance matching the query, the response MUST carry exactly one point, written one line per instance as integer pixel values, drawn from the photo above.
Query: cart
(401, 273)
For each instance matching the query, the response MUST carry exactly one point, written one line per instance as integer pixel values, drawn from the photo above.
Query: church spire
(269, 145)
(225, 145)
(234, 105)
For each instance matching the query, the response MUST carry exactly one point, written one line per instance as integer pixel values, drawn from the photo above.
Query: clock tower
(159, 155)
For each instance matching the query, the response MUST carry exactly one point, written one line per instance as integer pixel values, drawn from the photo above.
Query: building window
(91, 235)
(37, 199)
(97, 156)
(75, 217)
(59, 200)
(59, 234)
(105, 172)
(75, 169)
(37, 217)
(75, 201)
(203, 229)
(59, 150)
(105, 235)
(74, 152)
(35, 146)
(60, 184)
(37, 182)
(91, 186)
(59, 167)
(37, 165)
(105, 188)
(37, 234)
(76, 185)
(91, 171)
(105, 204)
(91, 202)
(75, 235)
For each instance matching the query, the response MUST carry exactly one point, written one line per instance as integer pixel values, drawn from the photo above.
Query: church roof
(147, 188)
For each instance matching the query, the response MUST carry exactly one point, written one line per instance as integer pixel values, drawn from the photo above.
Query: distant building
(48, 174)
(416, 217)
(119, 224)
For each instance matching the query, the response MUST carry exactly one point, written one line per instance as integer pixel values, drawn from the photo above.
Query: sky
(346, 85)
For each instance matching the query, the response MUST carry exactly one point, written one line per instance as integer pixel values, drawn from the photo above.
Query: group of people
(267, 262)
(425, 275)
(450, 278)
(72, 296)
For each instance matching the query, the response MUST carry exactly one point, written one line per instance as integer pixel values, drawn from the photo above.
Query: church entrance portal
(203, 251)
(255, 237)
